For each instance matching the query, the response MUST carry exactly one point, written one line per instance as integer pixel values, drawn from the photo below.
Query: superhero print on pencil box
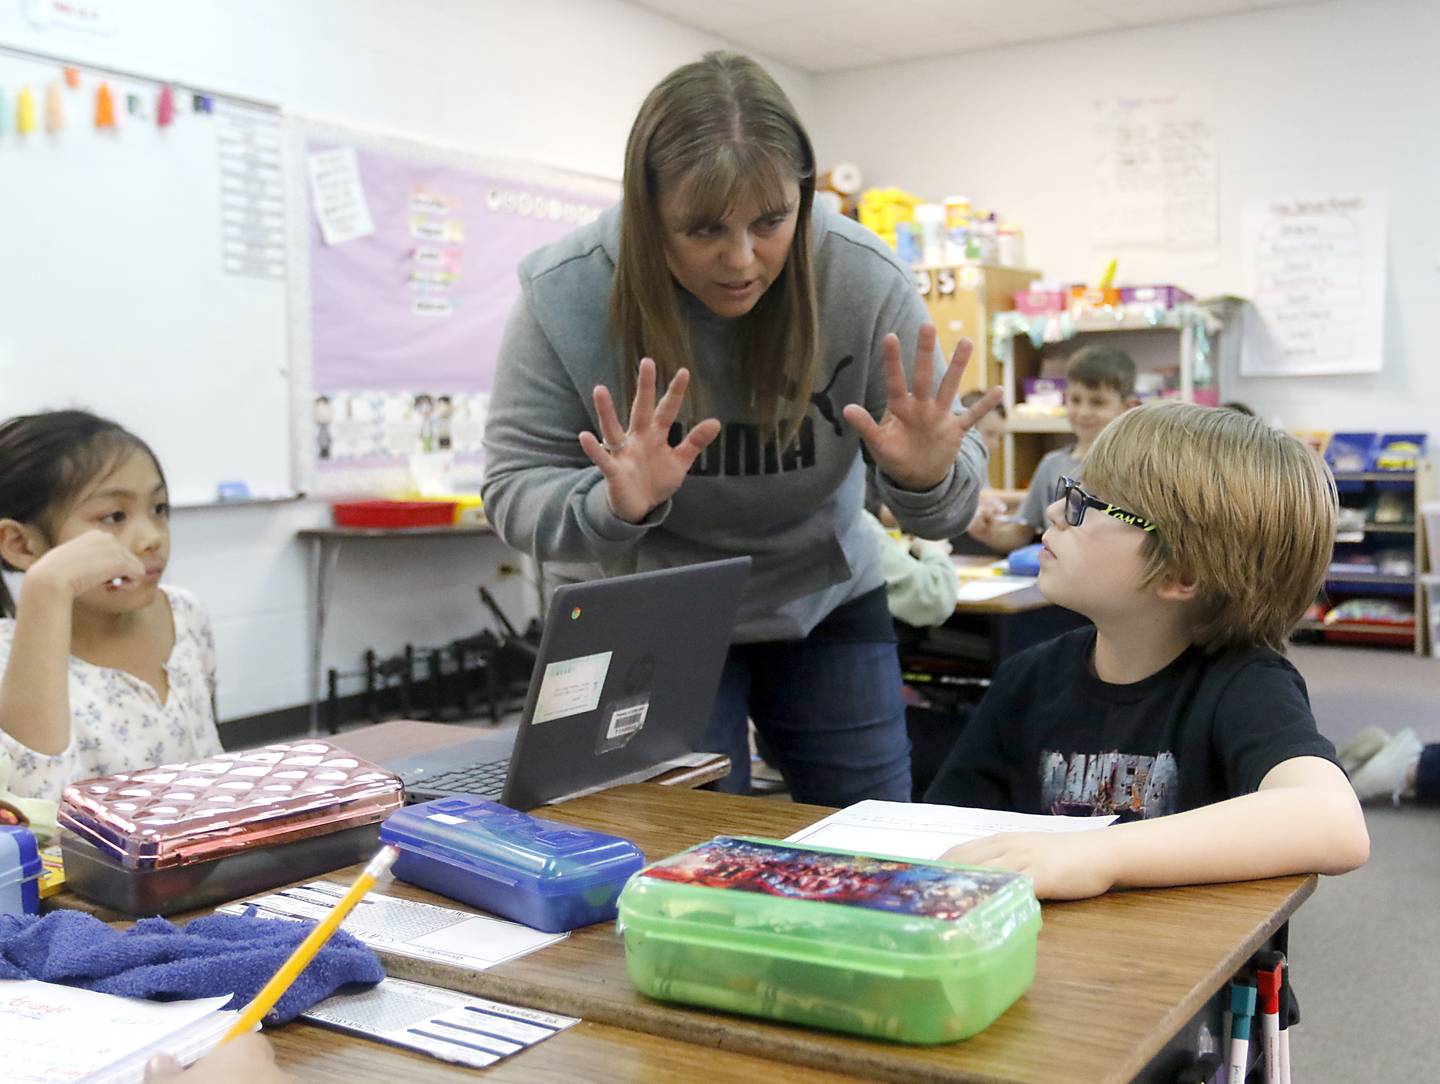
(876, 884)
(1128, 785)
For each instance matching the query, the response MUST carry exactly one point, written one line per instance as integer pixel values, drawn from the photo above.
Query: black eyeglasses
(1077, 500)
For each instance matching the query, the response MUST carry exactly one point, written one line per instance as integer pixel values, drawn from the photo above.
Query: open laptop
(623, 686)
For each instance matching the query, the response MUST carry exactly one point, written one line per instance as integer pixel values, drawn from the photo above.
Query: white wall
(550, 81)
(1333, 96)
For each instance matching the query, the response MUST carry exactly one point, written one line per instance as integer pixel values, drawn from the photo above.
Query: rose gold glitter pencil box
(180, 836)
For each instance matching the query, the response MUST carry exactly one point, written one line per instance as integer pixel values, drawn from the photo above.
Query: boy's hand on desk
(1064, 866)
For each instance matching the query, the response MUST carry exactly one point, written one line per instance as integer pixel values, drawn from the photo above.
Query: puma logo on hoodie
(739, 451)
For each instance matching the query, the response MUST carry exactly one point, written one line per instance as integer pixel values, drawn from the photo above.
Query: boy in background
(1099, 387)
(1197, 543)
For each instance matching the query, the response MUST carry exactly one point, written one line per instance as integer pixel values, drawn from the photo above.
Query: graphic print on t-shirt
(1129, 785)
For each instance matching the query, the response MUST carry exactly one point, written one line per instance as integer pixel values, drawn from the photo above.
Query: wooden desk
(1118, 977)
(595, 1053)
(325, 544)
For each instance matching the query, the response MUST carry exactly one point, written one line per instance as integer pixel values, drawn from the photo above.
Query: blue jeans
(831, 715)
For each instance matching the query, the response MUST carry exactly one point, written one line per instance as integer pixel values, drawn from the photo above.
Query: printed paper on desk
(994, 587)
(917, 830)
(53, 1033)
(571, 686)
(407, 928)
(448, 1025)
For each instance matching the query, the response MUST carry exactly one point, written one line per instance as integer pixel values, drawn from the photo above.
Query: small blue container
(20, 867)
(546, 874)
(1025, 561)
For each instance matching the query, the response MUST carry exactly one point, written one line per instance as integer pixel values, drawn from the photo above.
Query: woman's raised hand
(641, 468)
(918, 437)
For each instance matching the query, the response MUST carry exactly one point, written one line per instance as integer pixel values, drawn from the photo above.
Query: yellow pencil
(304, 952)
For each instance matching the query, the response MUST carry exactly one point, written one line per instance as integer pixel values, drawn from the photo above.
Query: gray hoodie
(794, 510)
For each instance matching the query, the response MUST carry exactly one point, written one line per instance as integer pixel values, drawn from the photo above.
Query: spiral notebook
(52, 1033)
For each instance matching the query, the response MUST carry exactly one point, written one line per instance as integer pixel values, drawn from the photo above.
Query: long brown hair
(724, 130)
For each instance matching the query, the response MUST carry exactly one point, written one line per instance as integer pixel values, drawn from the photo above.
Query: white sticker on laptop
(622, 720)
(571, 686)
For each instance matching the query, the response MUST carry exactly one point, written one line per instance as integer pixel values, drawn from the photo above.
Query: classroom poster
(1156, 172)
(407, 310)
(1315, 268)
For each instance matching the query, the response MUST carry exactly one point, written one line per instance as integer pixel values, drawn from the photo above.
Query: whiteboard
(143, 273)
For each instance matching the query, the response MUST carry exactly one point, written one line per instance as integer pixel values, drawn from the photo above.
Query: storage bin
(546, 874)
(180, 836)
(1153, 297)
(881, 947)
(1039, 301)
(19, 871)
(1350, 452)
(1398, 452)
(1094, 297)
(394, 514)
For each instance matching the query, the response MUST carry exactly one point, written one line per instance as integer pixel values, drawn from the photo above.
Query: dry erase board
(144, 271)
(404, 273)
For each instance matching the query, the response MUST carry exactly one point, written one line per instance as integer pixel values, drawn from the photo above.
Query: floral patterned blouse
(117, 721)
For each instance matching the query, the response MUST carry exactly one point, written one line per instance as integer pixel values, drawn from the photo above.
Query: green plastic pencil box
(878, 946)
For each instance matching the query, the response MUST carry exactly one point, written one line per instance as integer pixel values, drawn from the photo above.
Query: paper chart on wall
(1315, 268)
(339, 197)
(1156, 172)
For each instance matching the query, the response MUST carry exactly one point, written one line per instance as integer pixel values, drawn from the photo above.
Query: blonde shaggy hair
(1245, 512)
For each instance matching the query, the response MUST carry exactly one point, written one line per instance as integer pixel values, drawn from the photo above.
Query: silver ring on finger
(612, 446)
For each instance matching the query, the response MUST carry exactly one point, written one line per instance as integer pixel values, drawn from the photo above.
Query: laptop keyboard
(486, 779)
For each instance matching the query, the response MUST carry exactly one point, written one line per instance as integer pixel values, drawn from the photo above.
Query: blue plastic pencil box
(546, 874)
(20, 867)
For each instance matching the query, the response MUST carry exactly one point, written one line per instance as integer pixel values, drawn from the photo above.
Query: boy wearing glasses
(1198, 540)
(1099, 387)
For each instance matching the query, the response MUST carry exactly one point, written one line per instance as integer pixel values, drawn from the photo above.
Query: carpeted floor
(1365, 949)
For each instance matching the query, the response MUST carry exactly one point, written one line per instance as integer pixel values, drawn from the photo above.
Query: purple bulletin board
(406, 310)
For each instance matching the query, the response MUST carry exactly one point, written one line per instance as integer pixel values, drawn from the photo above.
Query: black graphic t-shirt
(1051, 737)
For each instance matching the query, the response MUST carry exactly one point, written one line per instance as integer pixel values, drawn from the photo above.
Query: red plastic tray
(393, 513)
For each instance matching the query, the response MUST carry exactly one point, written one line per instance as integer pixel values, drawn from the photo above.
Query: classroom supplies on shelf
(20, 871)
(56, 1033)
(876, 946)
(179, 836)
(544, 873)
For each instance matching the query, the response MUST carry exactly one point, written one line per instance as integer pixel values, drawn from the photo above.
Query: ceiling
(817, 36)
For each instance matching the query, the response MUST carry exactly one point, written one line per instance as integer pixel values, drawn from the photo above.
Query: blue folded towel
(155, 959)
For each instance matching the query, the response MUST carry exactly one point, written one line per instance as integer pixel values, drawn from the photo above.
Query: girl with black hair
(104, 668)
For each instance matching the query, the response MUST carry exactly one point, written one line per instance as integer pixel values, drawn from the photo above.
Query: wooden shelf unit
(1154, 347)
(962, 300)
(1410, 535)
